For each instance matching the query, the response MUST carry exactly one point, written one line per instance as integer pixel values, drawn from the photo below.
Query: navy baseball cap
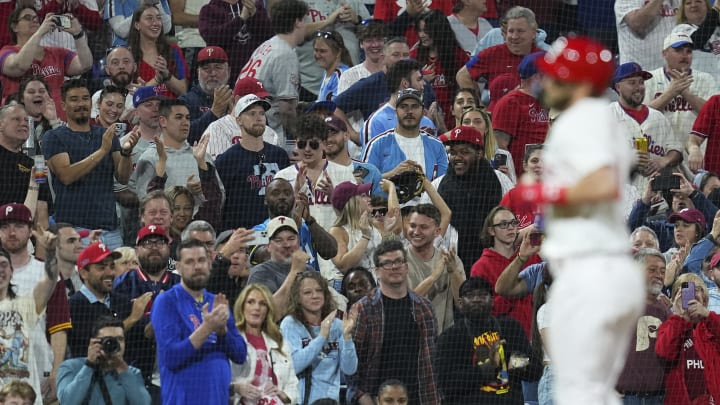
(630, 69)
(147, 93)
(527, 66)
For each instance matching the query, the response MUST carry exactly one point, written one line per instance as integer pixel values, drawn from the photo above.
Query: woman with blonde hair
(330, 54)
(268, 372)
(126, 262)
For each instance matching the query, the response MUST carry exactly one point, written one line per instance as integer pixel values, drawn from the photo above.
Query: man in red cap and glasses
(581, 195)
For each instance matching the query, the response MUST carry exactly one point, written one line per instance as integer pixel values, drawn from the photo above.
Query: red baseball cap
(95, 253)
(689, 215)
(211, 54)
(346, 190)
(150, 230)
(715, 260)
(464, 133)
(15, 212)
(250, 85)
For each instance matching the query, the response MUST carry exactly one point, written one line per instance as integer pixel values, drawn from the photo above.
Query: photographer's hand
(95, 353)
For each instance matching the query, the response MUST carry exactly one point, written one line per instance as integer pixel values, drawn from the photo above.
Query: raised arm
(44, 288)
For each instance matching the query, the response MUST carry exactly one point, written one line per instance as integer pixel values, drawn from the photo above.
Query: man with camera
(103, 377)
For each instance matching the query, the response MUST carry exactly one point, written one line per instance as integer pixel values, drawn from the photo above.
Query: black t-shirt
(15, 168)
(401, 345)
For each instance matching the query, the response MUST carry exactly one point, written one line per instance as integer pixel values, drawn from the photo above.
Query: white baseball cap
(248, 101)
(676, 40)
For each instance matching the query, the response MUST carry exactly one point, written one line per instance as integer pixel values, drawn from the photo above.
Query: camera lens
(110, 345)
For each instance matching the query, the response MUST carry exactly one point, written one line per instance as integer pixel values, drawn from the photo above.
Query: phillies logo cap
(279, 223)
(248, 101)
(211, 54)
(250, 85)
(147, 93)
(464, 133)
(95, 253)
(15, 212)
(150, 230)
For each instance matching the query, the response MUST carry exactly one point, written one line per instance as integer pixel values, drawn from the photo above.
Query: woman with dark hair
(532, 166)
(34, 94)
(330, 54)
(357, 283)
(322, 345)
(160, 63)
(441, 55)
(183, 210)
(111, 106)
(269, 370)
(27, 56)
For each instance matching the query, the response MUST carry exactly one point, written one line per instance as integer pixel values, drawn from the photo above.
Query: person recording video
(103, 377)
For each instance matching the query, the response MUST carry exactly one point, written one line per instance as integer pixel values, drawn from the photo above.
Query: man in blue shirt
(195, 334)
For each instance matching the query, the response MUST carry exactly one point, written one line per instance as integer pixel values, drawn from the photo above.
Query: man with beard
(337, 153)
(433, 273)
(639, 121)
(248, 166)
(15, 232)
(211, 98)
(585, 233)
(145, 283)
(470, 188)
(482, 359)
(281, 200)
(403, 75)
(121, 67)
(96, 264)
(196, 334)
(406, 148)
(642, 378)
(84, 161)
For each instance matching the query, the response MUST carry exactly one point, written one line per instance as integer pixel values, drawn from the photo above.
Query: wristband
(79, 35)
(693, 194)
(125, 153)
(536, 193)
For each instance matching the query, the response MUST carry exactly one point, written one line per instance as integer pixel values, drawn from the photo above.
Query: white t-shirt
(352, 76)
(646, 51)
(593, 228)
(18, 320)
(412, 148)
(543, 322)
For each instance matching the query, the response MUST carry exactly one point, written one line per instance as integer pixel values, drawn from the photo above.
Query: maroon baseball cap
(335, 123)
(95, 253)
(346, 190)
(150, 230)
(715, 260)
(689, 215)
(250, 85)
(15, 212)
(211, 54)
(463, 133)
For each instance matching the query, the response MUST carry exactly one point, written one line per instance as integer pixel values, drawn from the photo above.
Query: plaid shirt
(368, 345)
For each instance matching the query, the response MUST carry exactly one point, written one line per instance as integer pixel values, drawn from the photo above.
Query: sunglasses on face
(301, 144)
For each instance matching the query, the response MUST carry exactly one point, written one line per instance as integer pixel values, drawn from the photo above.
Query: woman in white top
(268, 372)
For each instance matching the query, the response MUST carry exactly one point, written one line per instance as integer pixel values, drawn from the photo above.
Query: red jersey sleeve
(58, 310)
(706, 123)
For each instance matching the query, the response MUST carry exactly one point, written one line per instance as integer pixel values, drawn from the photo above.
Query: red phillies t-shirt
(524, 118)
(52, 68)
(258, 342)
(176, 66)
(707, 125)
(524, 211)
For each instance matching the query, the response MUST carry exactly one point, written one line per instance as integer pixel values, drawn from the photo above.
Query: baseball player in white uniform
(598, 290)
(642, 25)
(676, 90)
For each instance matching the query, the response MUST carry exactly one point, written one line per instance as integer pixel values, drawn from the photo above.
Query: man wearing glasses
(399, 352)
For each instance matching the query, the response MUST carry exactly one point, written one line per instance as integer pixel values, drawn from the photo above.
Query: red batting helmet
(577, 60)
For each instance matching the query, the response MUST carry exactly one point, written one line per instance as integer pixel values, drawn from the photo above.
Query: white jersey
(310, 72)
(225, 132)
(352, 76)
(275, 64)
(679, 112)
(656, 129)
(646, 51)
(598, 227)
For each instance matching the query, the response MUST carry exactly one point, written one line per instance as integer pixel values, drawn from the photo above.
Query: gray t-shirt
(271, 274)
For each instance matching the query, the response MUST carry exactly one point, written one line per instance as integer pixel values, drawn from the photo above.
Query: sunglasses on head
(326, 35)
(301, 144)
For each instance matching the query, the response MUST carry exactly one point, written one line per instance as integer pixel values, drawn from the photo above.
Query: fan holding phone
(689, 339)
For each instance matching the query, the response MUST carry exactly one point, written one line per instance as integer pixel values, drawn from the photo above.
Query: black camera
(110, 345)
